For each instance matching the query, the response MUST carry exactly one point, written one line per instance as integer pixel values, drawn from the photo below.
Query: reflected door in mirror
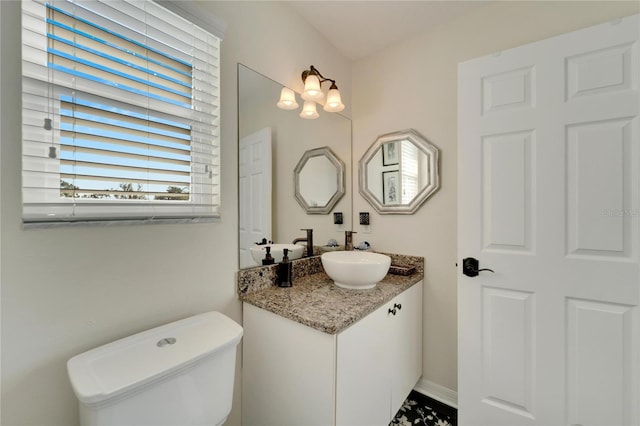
(254, 184)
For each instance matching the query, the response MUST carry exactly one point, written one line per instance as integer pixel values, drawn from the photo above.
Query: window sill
(90, 223)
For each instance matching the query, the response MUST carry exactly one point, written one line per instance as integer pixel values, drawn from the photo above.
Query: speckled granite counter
(314, 300)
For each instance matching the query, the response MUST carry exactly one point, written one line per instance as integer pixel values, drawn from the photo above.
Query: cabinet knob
(392, 311)
(397, 305)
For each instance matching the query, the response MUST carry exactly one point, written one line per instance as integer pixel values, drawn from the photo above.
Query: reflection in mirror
(267, 201)
(399, 172)
(319, 180)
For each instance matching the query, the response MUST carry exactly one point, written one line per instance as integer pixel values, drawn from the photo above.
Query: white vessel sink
(258, 252)
(358, 270)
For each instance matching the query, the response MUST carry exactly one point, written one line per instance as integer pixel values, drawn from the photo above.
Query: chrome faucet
(309, 241)
(348, 240)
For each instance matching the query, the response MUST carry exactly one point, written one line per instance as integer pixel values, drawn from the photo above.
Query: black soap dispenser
(285, 270)
(268, 259)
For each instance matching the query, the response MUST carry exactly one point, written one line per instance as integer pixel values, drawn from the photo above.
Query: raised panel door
(549, 198)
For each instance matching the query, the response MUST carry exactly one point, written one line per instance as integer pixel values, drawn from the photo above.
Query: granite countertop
(315, 301)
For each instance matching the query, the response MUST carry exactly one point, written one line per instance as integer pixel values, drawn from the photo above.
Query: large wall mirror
(399, 172)
(272, 142)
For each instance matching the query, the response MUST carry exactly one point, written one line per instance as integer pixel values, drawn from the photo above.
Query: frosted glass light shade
(309, 110)
(287, 99)
(312, 91)
(334, 101)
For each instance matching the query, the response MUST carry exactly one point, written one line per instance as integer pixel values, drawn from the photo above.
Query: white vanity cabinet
(296, 375)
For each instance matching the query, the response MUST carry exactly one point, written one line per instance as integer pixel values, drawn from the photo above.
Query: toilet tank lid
(115, 368)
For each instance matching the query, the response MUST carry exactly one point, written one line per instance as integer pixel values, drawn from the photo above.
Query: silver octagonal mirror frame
(431, 171)
(339, 180)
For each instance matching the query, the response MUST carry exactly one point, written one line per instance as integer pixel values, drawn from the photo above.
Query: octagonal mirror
(319, 180)
(399, 172)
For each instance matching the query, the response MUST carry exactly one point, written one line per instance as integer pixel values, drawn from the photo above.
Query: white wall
(67, 290)
(412, 84)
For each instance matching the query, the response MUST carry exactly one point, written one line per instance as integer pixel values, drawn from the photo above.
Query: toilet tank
(180, 373)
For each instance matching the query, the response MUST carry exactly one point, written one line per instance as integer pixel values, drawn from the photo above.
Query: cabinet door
(363, 388)
(288, 372)
(406, 338)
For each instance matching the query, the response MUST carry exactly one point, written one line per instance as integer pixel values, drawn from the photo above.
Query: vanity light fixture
(287, 99)
(312, 94)
(309, 110)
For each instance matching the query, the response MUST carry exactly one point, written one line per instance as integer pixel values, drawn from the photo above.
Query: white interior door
(254, 192)
(548, 162)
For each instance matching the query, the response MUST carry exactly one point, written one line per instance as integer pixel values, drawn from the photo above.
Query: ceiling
(360, 28)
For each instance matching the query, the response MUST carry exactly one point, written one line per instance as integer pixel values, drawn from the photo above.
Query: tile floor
(419, 409)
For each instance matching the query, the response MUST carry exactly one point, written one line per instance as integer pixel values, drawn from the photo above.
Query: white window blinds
(410, 171)
(120, 113)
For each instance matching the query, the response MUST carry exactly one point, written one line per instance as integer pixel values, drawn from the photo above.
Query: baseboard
(437, 392)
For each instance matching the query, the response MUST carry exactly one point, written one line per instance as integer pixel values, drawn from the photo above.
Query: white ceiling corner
(360, 28)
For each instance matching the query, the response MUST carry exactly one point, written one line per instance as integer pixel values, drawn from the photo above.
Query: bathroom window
(120, 113)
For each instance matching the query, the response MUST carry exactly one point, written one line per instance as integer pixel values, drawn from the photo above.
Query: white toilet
(181, 373)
